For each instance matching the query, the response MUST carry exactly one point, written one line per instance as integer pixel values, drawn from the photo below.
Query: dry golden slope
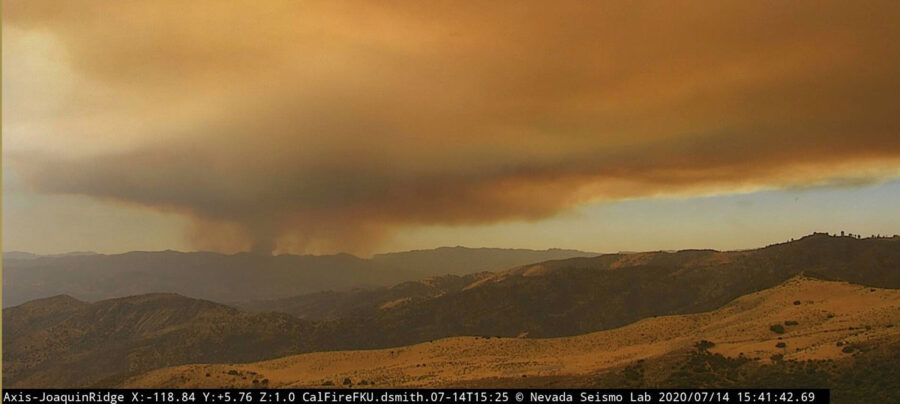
(827, 312)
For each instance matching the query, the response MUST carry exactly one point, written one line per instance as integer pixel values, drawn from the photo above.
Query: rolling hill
(818, 320)
(362, 302)
(582, 295)
(61, 342)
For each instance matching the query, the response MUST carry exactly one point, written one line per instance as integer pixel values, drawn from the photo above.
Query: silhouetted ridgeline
(462, 260)
(240, 277)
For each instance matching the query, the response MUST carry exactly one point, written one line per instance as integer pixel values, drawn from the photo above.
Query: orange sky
(334, 126)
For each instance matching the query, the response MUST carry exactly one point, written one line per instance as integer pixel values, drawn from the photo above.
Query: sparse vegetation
(704, 345)
(859, 379)
(250, 336)
(634, 375)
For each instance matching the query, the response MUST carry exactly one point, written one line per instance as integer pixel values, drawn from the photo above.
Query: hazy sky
(372, 126)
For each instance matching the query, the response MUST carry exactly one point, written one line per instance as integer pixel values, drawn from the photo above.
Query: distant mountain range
(22, 255)
(63, 342)
(241, 277)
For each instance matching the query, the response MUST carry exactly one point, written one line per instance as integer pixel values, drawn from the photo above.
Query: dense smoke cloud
(302, 126)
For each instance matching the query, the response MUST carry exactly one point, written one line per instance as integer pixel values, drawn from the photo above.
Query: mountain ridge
(831, 314)
(94, 344)
(229, 277)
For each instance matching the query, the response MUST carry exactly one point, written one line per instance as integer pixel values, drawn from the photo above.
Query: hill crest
(828, 313)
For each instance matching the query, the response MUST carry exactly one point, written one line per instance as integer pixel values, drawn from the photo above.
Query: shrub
(777, 328)
(777, 357)
(704, 345)
(848, 349)
(347, 381)
(780, 345)
(796, 302)
(791, 322)
(326, 383)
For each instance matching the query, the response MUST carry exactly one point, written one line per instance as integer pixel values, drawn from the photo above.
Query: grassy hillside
(581, 295)
(833, 323)
(82, 344)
